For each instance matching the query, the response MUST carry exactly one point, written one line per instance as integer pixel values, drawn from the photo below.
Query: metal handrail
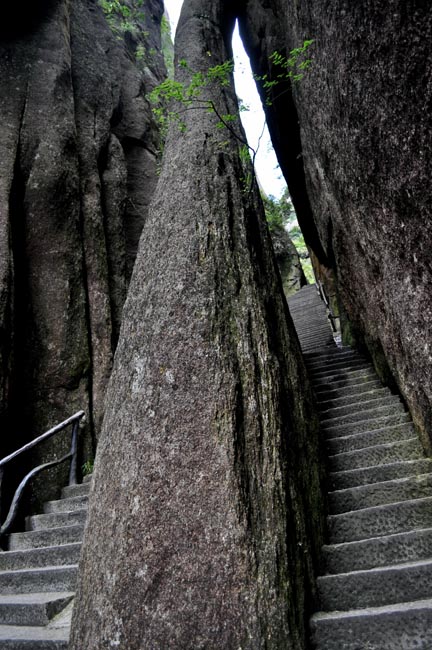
(74, 420)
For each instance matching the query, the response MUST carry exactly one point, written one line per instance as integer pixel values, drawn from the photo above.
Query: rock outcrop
(77, 170)
(288, 261)
(363, 118)
(206, 514)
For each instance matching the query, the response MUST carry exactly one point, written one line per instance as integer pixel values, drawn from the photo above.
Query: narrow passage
(376, 592)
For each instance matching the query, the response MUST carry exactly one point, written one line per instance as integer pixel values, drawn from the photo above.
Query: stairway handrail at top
(75, 421)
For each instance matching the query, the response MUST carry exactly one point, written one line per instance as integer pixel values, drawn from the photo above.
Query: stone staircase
(38, 574)
(376, 592)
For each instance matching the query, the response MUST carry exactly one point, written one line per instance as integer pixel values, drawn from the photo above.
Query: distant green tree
(280, 214)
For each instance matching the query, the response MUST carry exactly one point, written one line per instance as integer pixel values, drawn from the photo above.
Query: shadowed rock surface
(365, 122)
(77, 170)
(206, 516)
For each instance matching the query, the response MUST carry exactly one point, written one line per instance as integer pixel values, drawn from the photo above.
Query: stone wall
(78, 151)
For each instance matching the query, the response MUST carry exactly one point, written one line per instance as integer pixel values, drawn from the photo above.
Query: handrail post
(74, 453)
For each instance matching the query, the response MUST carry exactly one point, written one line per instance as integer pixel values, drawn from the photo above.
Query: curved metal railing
(74, 420)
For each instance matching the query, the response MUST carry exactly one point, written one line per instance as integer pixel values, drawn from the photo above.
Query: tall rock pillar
(205, 518)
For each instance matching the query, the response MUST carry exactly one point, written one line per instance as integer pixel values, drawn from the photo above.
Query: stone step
(309, 292)
(379, 521)
(310, 306)
(79, 490)
(299, 315)
(49, 537)
(400, 583)
(356, 378)
(378, 551)
(353, 399)
(56, 519)
(316, 320)
(340, 352)
(383, 454)
(70, 504)
(310, 343)
(392, 406)
(335, 361)
(324, 339)
(339, 371)
(314, 324)
(306, 299)
(335, 378)
(32, 609)
(376, 474)
(404, 626)
(307, 327)
(301, 298)
(318, 338)
(40, 557)
(33, 638)
(366, 496)
(317, 316)
(329, 392)
(62, 578)
(365, 439)
(346, 413)
(87, 478)
(348, 428)
(307, 348)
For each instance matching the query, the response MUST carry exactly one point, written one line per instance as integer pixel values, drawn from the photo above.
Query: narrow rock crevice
(281, 112)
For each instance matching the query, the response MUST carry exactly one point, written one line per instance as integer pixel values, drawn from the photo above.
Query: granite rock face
(77, 170)
(364, 122)
(288, 261)
(206, 514)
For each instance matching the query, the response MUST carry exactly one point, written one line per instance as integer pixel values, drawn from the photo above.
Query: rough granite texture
(77, 170)
(365, 122)
(206, 518)
(288, 261)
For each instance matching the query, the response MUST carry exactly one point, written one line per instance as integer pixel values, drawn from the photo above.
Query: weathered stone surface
(264, 31)
(288, 261)
(206, 516)
(76, 133)
(365, 124)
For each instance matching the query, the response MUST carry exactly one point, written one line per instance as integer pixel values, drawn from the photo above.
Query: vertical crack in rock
(206, 514)
(263, 31)
(93, 110)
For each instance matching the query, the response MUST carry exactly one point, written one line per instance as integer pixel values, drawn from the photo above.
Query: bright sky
(269, 174)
